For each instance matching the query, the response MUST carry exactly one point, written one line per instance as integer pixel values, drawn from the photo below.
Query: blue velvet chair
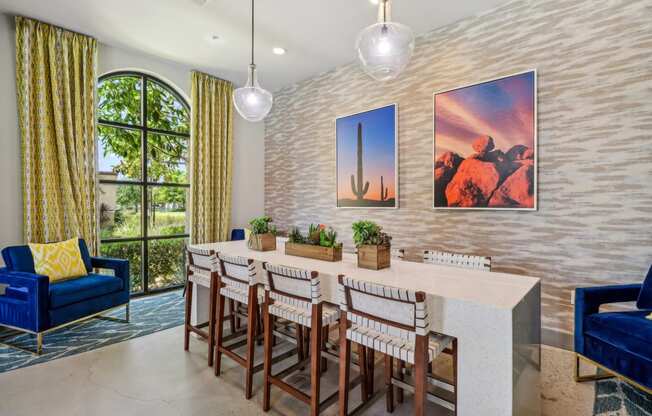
(237, 234)
(31, 304)
(620, 343)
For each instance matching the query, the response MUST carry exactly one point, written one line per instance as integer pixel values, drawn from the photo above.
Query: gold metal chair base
(39, 335)
(610, 374)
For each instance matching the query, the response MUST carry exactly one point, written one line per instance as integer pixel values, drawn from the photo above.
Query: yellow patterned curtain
(211, 143)
(55, 76)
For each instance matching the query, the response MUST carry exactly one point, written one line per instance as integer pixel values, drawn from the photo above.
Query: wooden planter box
(262, 242)
(314, 252)
(374, 257)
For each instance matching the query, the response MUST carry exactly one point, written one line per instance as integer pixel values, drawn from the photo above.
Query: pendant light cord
(384, 6)
(252, 32)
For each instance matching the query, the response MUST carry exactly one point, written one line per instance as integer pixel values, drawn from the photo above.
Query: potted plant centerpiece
(263, 234)
(320, 243)
(373, 245)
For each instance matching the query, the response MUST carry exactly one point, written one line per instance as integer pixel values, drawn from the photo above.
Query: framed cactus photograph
(367, 159)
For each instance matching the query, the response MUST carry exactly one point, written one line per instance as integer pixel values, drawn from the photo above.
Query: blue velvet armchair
(619, 343)
(31, 304)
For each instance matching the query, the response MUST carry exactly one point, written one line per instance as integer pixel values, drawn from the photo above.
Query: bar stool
(201, 269)
(295, 295)
(395, 322)
(458, 260)
(397, 253)
(237, 282)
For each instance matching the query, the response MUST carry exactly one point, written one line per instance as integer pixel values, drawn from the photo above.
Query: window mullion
(145, 211)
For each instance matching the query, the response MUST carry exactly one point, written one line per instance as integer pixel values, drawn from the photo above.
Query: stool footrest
(298, 394)
(197, 331)
(430, 396)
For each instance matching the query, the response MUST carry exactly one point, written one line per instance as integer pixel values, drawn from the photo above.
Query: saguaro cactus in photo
(383, 191)
(358, 190)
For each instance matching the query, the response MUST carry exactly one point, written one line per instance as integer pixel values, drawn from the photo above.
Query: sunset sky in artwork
(378, 141)
(502, 109)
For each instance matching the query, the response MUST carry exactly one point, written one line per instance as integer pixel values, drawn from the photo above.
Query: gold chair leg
(39, 343)
(593, 377)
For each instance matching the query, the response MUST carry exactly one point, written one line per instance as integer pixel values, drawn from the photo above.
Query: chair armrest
(119, 266)
(34, 315)
(589, 299)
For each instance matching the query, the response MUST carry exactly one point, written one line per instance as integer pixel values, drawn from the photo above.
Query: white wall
(248, 166)
(248, 171)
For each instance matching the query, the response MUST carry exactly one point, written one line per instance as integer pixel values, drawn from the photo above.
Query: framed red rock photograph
(485, 145)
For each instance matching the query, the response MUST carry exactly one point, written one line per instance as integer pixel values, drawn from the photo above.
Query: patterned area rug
(616, 398)
(148, 315)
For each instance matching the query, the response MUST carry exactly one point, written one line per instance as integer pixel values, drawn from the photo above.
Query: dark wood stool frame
(198, 329)
(421, 366)
(208, 336)
(315, 352)
(252, 330)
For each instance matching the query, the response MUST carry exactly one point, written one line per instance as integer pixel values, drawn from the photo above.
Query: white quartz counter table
(495, 316)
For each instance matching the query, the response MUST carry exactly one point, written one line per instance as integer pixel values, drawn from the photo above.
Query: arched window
(143, 137)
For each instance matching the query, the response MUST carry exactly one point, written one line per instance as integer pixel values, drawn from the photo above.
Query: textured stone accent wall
(594, 223)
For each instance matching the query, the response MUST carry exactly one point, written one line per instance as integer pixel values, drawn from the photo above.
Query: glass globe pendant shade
(385, 48)
(252, 102)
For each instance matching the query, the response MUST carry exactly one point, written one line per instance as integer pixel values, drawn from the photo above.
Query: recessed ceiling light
(215, 38)
(279, 51)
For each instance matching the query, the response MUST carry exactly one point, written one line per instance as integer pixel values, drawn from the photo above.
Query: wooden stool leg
(252, 311)
(186, 331)
(212, 311)
(362, 363)
(238, 323)
(315, 359)
(370, 371)
(324, 339)
(273, 321)
(299, 337)
(455, 356)
(232, 315)
(420, 375)
(389, 367)
(259, 325)
(401, 376)
(345, 366)
(306, 340)
(219, 333)
(267, 366)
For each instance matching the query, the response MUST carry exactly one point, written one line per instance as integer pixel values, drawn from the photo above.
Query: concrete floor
(152, 375)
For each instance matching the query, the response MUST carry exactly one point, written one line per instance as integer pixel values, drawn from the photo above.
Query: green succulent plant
(262, 225)
(314, 234)
(296, 237)
(328, 238)
(318, 235)
(369, 233)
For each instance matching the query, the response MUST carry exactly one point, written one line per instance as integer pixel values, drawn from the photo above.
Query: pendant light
(252, 102)
(385, 48)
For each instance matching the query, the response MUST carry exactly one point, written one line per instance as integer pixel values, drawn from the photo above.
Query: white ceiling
(318, 35)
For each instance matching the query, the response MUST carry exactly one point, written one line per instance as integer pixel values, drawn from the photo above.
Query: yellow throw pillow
(649, 316)
(58, 261)
(247, 234)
